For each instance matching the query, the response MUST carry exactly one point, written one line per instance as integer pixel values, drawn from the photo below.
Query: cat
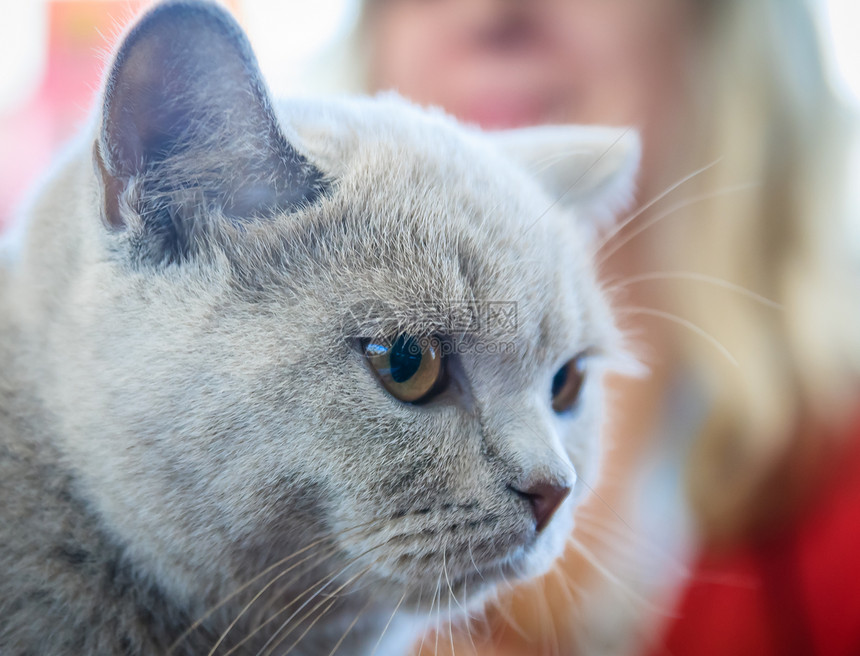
(291, 376)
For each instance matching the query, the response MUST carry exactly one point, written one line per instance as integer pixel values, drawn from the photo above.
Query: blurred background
(52, 53)
(728, 517)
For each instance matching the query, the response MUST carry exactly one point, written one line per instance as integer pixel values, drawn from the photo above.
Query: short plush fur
(183, 405)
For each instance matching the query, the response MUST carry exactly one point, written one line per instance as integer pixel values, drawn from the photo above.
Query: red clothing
(798, 593)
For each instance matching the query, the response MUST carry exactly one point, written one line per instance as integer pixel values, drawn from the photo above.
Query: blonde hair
(766, 111)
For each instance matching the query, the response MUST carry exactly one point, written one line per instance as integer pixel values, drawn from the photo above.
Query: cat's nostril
(544, 499)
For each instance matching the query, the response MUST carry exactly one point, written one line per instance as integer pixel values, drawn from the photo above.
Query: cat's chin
(468, 581)
(472, 590)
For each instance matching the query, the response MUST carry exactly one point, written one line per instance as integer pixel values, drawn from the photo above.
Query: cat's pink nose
(544, 498)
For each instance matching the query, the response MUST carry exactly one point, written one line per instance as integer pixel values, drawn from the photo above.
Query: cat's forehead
(426, 230)
(401, 174)
(389, 140)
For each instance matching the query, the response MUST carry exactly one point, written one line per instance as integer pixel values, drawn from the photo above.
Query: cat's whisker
(543, 623)
(388, 623)
(695, 277)
(232, 595)
(332, 599)
(613, 538)
(256, 578)
(613, 543)
(328, 554)
(637, 601)
(546, 163)
(644, 208)
(426, 629)
(608, 506)
(451, 625)
(323, 581)
(573, 590)
(468, 617)
(669, 212)
(348, 629)
(447, 580)
(610, 576)
(577, 180)
(629, 565)
(435, 620)
(478, 623)
(271, 619)
(450, 595)
(553, 629)
(472, 558)
(563, 582)
(328, 606)
(686, 323)
(438, 614)
(500, 606)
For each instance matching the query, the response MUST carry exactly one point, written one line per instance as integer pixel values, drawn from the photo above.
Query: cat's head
(351, 321)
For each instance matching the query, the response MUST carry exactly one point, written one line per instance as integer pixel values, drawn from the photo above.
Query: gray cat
(272, 374)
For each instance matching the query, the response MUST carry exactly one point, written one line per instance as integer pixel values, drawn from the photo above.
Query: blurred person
(733, 278)
(736, 86)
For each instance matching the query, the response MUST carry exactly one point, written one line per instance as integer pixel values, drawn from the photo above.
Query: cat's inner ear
(591, 169)
(188, 128)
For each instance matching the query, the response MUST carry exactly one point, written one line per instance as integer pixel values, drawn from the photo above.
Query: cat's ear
(589, 168)
(188, 129)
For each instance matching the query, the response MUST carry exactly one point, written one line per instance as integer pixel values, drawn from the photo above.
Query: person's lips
(499, 111)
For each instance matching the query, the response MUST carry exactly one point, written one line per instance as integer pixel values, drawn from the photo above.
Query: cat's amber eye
(567, 384)
(410, 368)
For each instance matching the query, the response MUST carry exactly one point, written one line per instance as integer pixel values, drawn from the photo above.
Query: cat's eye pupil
(411, 369)
(558, 380)
(567, 384)
(404, 358)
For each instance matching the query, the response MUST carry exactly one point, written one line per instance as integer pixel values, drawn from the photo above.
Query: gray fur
(172, 427)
